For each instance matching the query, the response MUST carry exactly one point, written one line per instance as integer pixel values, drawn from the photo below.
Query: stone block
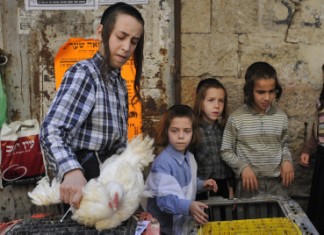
(195, 16)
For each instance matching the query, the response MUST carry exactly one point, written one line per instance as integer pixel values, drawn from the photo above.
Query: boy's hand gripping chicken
(115, 195)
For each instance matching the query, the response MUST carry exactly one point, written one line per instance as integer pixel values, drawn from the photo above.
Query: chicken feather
(121, 176)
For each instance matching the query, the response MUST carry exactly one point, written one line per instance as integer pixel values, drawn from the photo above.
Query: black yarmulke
(110, 9)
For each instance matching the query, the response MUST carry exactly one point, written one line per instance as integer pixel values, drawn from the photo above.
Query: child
(255, 140)
(90, 110)
(210, 108)
(315, 209)
(173, 177)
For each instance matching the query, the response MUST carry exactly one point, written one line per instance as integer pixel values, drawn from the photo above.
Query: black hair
(321, 97)
(256, 71)
(120, 6)
(108, 20)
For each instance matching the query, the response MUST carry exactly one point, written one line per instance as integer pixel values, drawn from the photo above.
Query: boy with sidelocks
(255, 141)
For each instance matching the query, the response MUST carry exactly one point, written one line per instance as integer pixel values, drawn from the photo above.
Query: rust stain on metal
(163, 51)
(148, 127)
(46, 95)
(153, 107)
(149, 106)
(15, 115)
(45, 53)
(41, 74)
(161, 86)
(163, 108)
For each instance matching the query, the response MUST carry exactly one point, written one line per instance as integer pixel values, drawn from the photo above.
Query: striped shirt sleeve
(257, 140)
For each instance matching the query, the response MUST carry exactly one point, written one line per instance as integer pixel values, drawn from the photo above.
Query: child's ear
(99, 32)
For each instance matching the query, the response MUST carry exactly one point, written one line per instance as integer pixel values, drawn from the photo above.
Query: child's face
(123, 39)
(264, 94)
(180, 133)
(213, 104)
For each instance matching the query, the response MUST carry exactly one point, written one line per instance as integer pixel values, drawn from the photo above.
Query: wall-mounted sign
(61, 4)
(109, 2)
(73, 4)
(76, 49)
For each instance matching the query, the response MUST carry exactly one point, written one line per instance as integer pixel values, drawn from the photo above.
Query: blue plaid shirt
(87, 113)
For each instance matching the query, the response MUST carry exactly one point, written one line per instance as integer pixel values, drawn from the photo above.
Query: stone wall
(221, 38)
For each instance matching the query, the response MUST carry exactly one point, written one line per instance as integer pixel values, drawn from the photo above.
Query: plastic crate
(251, 226)
(243, 211)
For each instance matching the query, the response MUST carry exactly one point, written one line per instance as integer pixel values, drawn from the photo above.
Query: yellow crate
(266, 226)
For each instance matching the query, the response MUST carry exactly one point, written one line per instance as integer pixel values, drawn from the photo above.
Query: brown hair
(179, 110)
(201, 90)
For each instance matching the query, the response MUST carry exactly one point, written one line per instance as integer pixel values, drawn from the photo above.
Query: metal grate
(245, 211)
(52, 225)
(267, 206)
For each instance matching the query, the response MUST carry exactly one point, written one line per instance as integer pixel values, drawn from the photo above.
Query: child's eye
(174, 130)
(261, 92)
(271, 92)
(134, 41)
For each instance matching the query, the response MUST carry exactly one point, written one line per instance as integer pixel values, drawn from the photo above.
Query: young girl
(210, 108)
(173, 177)
(315, 209)
(255, 140)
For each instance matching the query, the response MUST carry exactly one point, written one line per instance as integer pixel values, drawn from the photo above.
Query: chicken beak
(116, 199)
(114, 205)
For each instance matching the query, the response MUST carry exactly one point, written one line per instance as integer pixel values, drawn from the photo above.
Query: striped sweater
(258, 140)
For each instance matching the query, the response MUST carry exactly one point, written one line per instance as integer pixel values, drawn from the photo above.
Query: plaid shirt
(87, 113)
(207, 154)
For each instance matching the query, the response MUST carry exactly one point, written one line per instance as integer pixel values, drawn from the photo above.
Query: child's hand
(210, 184)
(287, 173)
(196, 210)
(231, 193)
(249, 181)
(304, 159)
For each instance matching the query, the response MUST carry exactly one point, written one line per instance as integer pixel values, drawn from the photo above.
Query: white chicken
(115, 195)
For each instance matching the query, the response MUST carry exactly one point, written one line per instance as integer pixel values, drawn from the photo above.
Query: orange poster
(76, 49)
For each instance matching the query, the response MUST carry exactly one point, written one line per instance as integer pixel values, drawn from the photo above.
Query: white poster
(24, 21)
(109, 2)
(61, 4)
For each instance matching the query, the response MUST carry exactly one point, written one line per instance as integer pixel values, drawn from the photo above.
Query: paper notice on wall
(109, 2)
(61, 4)
(134, 111)
(26, 20)
(76, 49)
